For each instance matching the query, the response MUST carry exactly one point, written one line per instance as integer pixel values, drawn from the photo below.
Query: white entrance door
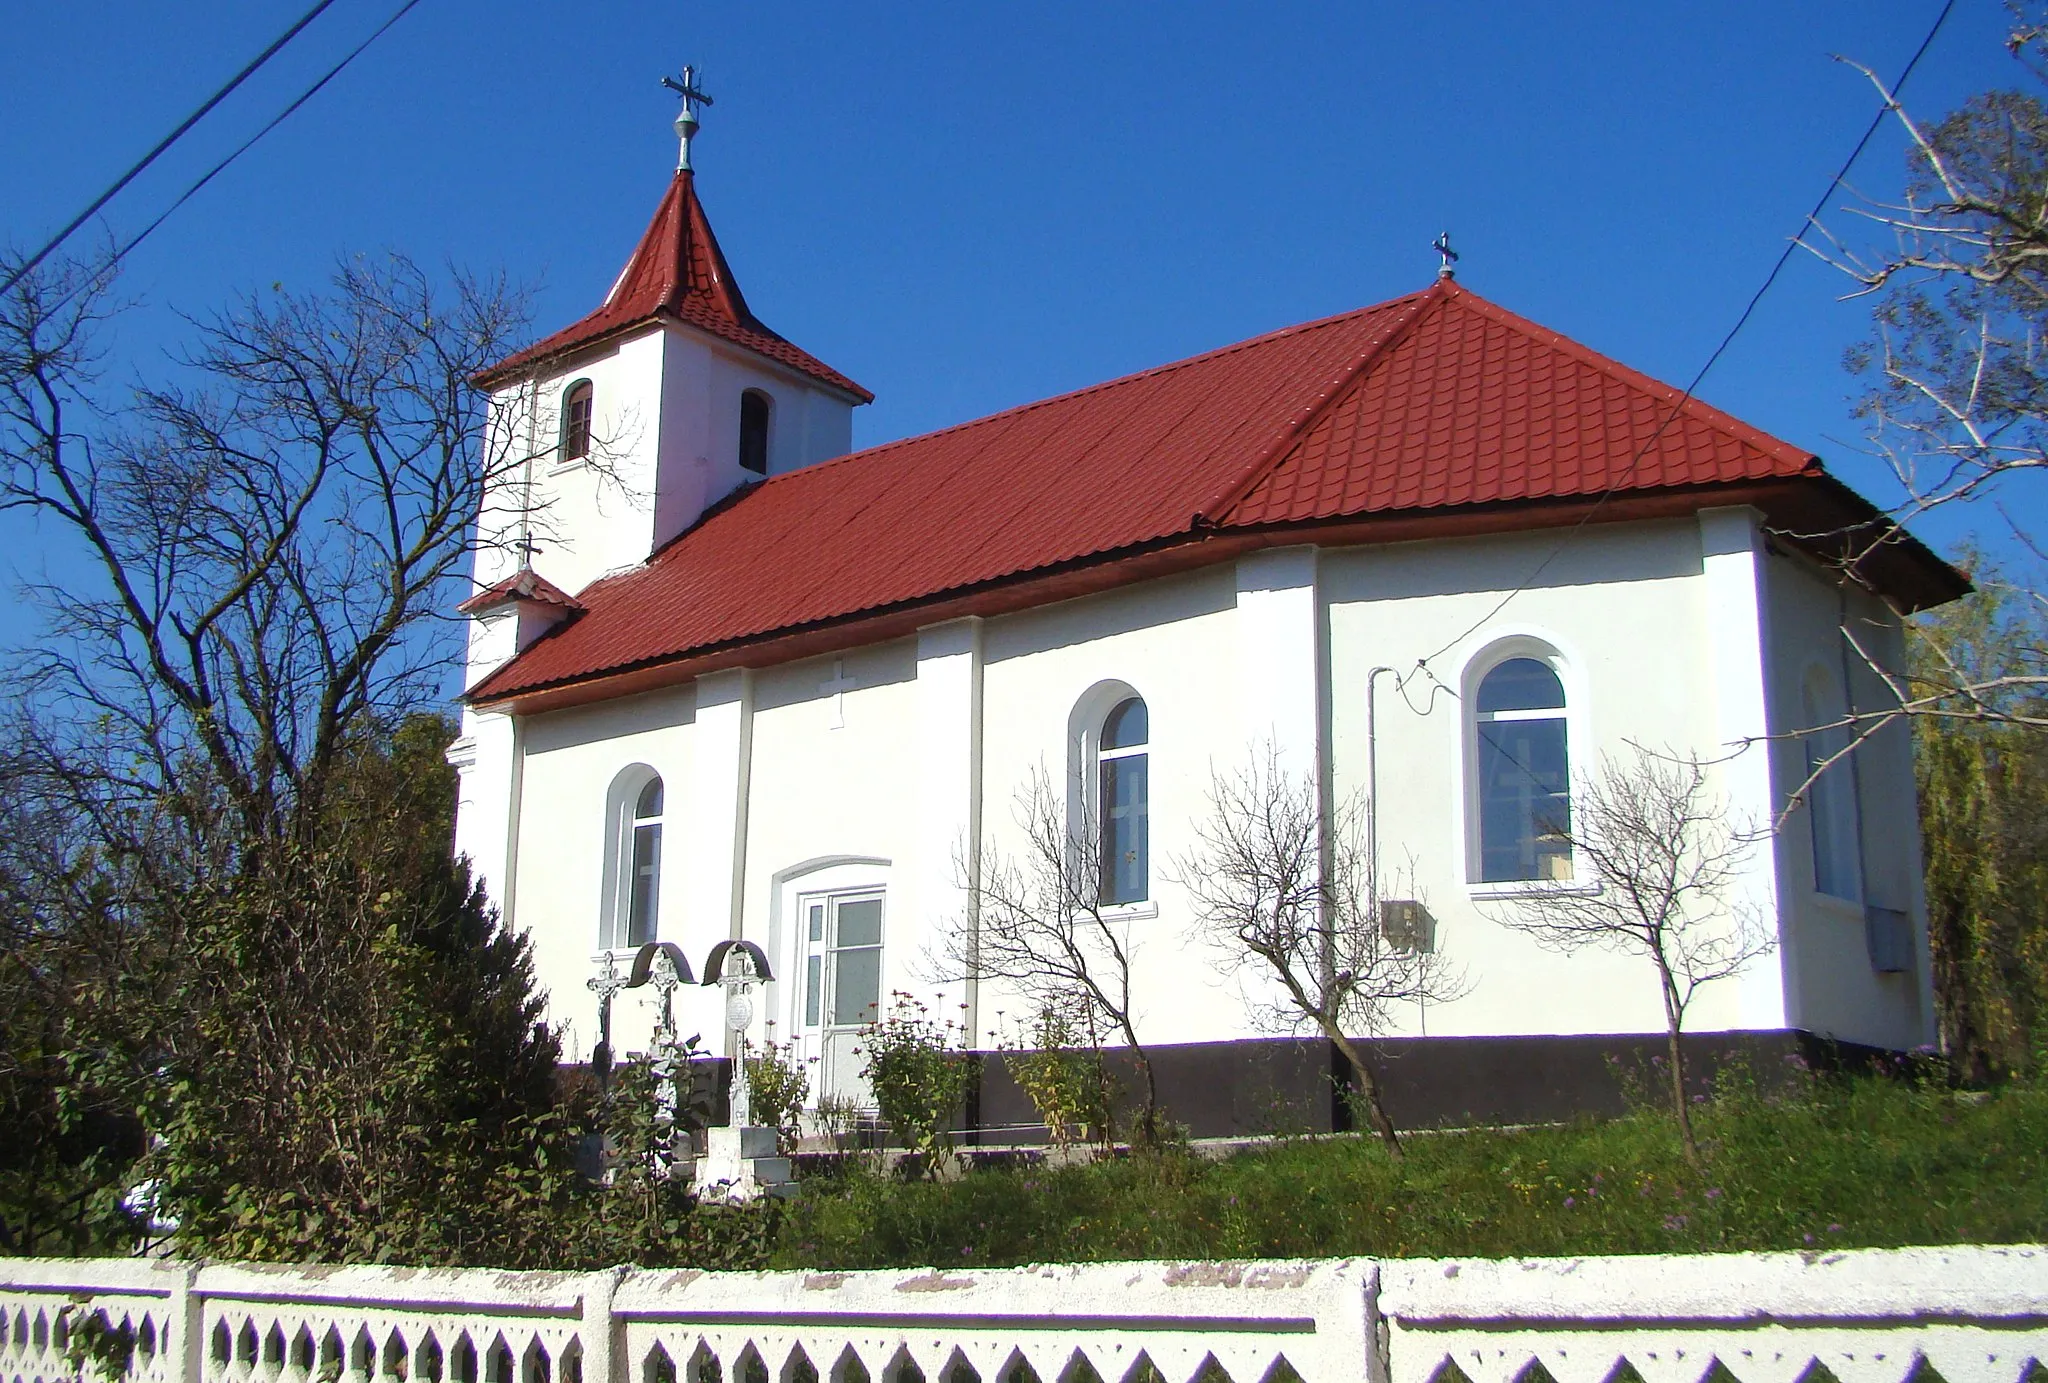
(841, 952)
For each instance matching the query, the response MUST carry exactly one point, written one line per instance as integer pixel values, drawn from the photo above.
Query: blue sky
(970, 206)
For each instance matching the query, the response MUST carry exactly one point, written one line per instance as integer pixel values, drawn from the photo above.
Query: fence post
(603, 1355)
(188, 1318)
(1379, 1363)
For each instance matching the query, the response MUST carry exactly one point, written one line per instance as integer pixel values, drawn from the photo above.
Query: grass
(1863, 1162)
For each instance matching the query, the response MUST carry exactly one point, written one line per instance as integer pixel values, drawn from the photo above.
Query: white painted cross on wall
(839, 685)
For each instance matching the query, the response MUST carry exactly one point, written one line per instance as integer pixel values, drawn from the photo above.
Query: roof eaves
(1774, 493)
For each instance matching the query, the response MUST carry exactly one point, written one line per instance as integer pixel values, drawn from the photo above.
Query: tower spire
(686, 122)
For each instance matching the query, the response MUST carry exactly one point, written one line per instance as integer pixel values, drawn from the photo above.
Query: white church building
(738, 681)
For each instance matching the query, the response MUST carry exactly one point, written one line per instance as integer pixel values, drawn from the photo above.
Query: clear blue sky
(970, 206)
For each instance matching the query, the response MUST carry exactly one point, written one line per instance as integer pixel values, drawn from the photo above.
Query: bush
(777, 1085)
(1065, 1080)
(918, 1075)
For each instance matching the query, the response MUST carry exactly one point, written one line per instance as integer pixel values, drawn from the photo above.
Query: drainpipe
(1372, 789)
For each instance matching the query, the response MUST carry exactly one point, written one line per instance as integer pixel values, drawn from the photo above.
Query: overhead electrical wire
(166, 142)
(275, 121)
(1677, 409)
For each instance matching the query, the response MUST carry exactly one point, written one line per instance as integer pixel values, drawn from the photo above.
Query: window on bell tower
(754, 406)
(576, 421)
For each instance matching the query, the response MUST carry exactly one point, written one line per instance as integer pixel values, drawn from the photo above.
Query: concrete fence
(1963, 1315)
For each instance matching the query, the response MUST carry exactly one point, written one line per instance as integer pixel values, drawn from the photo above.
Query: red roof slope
(678, 273)
(1439, 400)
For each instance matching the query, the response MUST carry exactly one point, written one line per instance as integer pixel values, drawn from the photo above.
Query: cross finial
(693, 95)
(1442, 245)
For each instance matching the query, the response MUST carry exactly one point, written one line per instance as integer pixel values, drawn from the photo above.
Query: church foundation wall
(1277, 1086)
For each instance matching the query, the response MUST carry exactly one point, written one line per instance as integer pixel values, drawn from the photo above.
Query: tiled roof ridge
(1690, 403)
(1217, 510)
(1151, 371)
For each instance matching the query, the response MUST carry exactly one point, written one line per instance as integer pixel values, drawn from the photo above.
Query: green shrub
(918, 1075)
(1062, 1073)
(777, 1085)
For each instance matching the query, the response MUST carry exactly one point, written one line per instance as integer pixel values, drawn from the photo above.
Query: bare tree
(275, 533)
(1956, 269)
(1037, 921)
(1275, 878)
(1663, 861)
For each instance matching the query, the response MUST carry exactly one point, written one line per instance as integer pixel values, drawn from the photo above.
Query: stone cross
(738, 978)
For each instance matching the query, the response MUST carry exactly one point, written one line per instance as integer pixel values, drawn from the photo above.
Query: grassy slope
(1856, 1164)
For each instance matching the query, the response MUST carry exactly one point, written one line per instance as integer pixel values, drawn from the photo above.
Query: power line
(1784, 257)
(275, 121)
(166, 142)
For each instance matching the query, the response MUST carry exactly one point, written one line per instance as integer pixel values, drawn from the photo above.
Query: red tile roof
(677, 273)
(524, 584)
(1438, 401)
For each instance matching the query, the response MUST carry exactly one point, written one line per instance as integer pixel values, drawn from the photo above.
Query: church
(728, 678)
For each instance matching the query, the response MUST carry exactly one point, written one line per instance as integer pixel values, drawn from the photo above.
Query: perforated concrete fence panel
(1962, 1315)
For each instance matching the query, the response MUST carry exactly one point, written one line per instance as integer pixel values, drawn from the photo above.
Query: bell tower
(662, 402)
(616, 433)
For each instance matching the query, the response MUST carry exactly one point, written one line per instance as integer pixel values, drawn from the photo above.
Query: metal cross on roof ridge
(686, 87)
(1442, 245)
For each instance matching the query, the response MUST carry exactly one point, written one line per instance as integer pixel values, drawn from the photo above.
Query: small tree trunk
(1369, 1086)
(1674, 1019)
(1147, 1131)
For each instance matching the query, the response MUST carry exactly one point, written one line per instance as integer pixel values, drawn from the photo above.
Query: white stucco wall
(870, 768)
(1835, 990)
(664, 447)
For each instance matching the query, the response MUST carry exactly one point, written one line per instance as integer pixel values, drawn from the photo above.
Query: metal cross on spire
(686, 123)
(1442, 245)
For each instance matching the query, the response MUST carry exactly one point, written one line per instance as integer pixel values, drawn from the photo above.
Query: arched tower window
(576, 421)
(754, 408)
(632, 911)
(1523, 773)
(1122, 793)
(1832, 796)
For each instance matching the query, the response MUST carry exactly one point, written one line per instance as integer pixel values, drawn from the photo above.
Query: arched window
(632, 910)
(576, 421)
(1831, 799)
(1121, 802)
(1524, 773)
(644, 900)
(754, 432)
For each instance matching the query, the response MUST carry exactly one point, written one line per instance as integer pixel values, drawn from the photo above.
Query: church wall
(572, 759)
(591, 516)
(701, 384)
(837, 774)
(831, 808)
(1175, 643)
(1837, 992)
(1624, 607)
